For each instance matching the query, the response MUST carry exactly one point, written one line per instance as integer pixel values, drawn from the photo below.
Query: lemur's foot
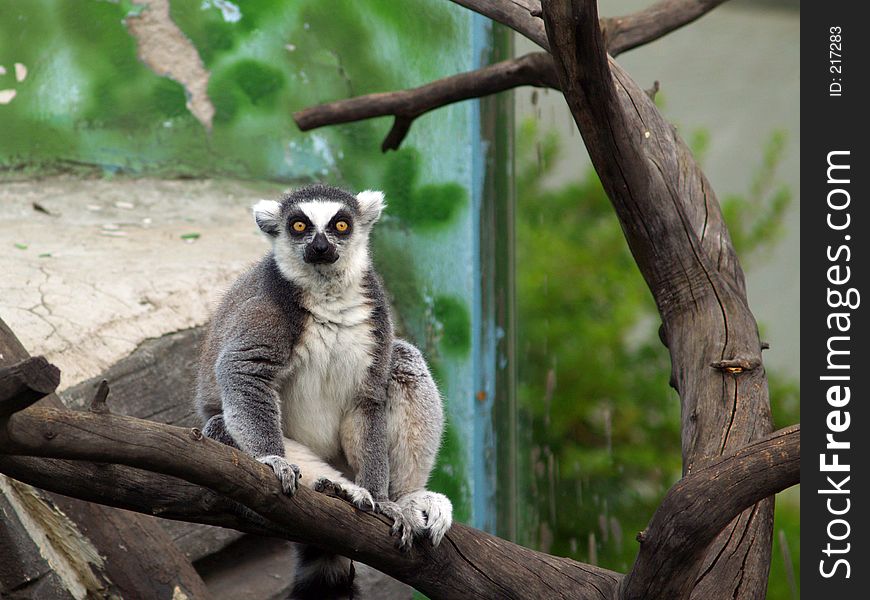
(356, 495)
(430, 513)
(288, 474)
(404, 523)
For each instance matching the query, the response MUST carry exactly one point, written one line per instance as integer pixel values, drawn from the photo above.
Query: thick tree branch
(535, 69)
(516, 14)
(137, 490)
(630, 31)
(406, 105)
(481, 566)
(674, 228)
(681, 528)
(679, 531)
(137, 557)
(699, 506)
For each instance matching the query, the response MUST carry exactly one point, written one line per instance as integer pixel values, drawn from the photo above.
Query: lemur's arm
(374, 465)
(246, 376)
(372, 452)
(247, 371)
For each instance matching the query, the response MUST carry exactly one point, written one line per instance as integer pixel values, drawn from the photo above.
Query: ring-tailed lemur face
(318, 225)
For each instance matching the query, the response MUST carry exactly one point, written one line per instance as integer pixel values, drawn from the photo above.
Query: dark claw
(287, 473)
(400, 528)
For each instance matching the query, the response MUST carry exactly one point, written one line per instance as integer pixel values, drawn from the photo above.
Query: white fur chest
(329, 365)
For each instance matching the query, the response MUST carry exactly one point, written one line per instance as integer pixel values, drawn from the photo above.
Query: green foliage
(600, 427)
(754, 220)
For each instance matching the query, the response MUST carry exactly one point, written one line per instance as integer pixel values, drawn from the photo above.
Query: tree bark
(225, 487)
(134, 556)
(674, 227)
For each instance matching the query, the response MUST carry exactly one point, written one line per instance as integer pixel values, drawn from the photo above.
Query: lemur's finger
(401, 526)
(287, 474)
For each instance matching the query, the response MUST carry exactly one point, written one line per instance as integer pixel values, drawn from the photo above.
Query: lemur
(300, 369)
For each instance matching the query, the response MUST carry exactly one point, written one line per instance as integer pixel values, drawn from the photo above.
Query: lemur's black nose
(320, 245)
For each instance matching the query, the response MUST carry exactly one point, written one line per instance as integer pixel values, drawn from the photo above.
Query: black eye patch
(341, 223)
(298, 224)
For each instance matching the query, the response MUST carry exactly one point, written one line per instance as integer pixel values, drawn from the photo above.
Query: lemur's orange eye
(299, 226)
(341, 226)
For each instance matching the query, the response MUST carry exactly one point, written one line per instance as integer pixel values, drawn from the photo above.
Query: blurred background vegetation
(599, 424)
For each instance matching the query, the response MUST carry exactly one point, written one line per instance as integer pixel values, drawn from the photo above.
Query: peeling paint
(229, 11)
(165, 49)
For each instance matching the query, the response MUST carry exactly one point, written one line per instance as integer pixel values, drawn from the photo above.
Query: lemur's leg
(415, 426)
(321, 574)
(244, 372)
(415, 423)
(322, 477)
(216, 429)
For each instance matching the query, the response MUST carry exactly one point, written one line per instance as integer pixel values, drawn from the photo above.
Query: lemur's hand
(403, 527)
(288, 474)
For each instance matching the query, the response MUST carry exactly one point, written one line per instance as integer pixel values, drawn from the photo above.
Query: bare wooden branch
(630, 31)
(481, 566)
(516, 14)
(137, 557)
(535, 69)
(406, 105)
(138, 490)
(25, 383)
(699, 506)
(674, 228)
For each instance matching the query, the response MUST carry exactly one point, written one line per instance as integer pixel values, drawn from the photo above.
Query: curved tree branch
(630, 31)
(176, 473)
(535, 69)
(134, 489)
(480, 565)
(138, 558)
(406, 105)
(516, 14)
(674, 228)
(699, 506)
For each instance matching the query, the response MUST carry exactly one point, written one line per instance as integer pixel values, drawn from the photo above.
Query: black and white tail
(321, 575)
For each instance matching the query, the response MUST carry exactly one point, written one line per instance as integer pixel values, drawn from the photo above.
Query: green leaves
(599, 425)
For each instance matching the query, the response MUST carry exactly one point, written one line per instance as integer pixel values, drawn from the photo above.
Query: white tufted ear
(267, 214)
(371, 203)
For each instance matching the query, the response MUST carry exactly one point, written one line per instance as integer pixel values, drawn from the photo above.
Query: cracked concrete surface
(89, 269)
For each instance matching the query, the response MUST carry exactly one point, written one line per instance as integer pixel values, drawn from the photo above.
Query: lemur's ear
(267, 214)
(371, 203)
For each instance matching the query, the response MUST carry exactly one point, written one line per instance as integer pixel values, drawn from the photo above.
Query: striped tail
(321, 575)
